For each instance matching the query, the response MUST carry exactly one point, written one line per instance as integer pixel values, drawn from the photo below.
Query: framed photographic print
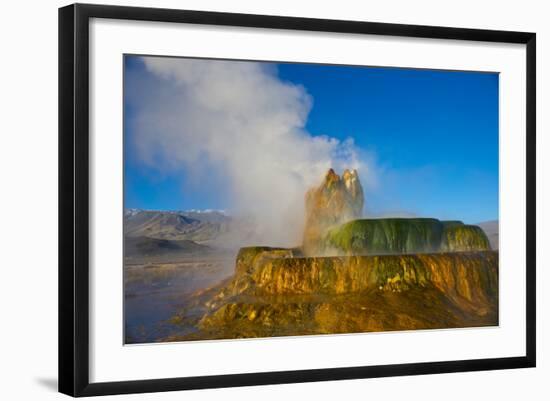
(249, 199)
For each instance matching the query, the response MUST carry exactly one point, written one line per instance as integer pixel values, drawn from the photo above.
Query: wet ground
(155, 289)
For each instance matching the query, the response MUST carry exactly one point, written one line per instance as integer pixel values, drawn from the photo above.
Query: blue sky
(431, 137)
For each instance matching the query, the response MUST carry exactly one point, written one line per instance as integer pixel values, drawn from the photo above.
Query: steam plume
(237, 124)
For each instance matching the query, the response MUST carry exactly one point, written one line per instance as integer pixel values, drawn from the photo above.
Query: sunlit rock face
(335, 201)
(275, 293)
(273, 271)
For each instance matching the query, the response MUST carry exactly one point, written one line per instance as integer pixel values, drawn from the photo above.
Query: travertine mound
(379, 275)
(472, 276)
(334, 225)
(402, 235)
(464, 238)
(275, 293)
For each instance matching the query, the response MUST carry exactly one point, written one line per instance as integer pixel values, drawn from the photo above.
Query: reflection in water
(155, 290)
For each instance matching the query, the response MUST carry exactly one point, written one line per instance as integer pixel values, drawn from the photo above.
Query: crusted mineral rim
(277, 292)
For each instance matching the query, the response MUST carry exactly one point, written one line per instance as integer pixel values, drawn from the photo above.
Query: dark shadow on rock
(48, 382)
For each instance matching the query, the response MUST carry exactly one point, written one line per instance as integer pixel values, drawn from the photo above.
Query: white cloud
(239, 125)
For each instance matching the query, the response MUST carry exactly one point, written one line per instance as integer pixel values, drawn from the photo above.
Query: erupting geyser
(382, 275)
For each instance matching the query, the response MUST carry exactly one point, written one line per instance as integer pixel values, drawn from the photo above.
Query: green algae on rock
(403, 235)
(464, 238)
(386, 236)
(334, 225)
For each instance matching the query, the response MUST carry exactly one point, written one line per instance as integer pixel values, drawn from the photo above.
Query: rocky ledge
(276, 292)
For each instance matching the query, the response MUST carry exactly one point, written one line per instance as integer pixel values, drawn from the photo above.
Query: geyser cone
(335, 201)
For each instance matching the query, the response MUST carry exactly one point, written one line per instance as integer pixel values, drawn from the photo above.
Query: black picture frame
(74, 198)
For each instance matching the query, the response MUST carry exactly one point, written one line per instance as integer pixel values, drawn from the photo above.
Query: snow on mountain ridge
(134, 211)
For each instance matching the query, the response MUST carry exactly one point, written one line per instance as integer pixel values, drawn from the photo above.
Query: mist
(237, 132)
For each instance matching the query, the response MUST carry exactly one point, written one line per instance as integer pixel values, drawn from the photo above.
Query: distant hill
(150, 247)
(208, 227)
(195, 226)
(491, 229)
(208, 215)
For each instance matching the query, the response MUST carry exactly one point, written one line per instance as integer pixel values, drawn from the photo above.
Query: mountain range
(170, 225)
(211, 228)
